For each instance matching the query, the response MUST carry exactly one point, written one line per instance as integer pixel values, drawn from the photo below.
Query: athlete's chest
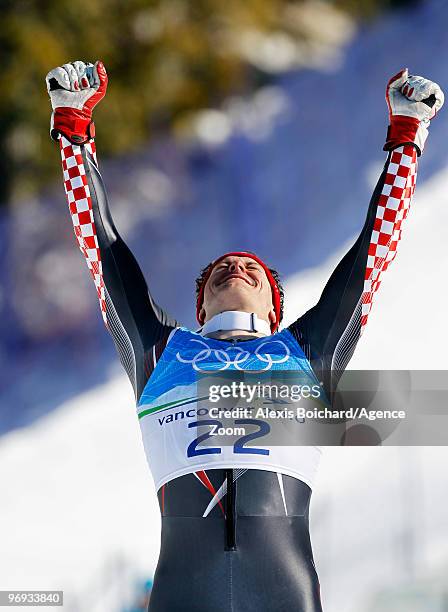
(189, 356)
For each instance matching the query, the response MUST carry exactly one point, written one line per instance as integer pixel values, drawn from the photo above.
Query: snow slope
(378, 513)
(407, 327)
(77, 497)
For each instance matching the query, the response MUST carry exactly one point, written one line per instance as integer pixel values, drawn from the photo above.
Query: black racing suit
(251, 556)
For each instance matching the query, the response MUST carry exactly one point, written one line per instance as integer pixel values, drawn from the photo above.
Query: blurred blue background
(282, 161)
(285, 164)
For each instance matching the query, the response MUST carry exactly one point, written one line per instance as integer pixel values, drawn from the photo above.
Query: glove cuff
(76, 125)
(405, 130)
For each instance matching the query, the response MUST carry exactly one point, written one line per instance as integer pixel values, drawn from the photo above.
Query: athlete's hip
(270, 569)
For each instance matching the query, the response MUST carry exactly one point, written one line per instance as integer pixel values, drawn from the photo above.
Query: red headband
(271, 279)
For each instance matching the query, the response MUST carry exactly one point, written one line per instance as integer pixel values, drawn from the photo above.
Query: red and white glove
(413, 101)
(74, 90)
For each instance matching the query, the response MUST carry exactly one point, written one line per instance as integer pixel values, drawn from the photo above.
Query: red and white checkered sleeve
(81, 211)
(393, 207)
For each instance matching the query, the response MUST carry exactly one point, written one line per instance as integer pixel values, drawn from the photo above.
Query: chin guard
(235, 320)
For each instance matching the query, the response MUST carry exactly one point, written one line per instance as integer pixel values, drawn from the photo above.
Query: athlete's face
(238, 283)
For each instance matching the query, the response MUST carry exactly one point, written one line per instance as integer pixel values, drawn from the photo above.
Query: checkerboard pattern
(393, 208)
(80, 205)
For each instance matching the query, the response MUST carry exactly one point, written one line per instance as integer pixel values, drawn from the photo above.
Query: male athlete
(235, 532)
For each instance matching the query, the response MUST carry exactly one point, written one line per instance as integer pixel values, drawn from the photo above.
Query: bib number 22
(239, 447)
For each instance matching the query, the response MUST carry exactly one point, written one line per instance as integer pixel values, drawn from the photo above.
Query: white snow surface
(407, 326)
(76, 494)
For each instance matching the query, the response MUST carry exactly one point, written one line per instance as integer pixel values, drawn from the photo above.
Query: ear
(202, 316)
(272, 317)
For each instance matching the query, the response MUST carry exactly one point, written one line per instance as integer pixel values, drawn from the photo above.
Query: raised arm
(137, 324)
(329, 331)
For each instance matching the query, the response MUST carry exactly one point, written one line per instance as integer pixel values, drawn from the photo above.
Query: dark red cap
(275, 290)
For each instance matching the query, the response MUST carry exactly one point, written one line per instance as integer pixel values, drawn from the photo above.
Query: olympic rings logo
(241, 357)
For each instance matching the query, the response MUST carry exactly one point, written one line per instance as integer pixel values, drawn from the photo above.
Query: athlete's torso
(235, 531)
(251, 553)
(175, 416)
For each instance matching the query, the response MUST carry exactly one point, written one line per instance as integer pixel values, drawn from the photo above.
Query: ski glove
(413, 101)
(74, 90)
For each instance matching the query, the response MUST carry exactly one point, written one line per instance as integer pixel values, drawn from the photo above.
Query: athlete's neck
(234, 334)
(235, 324)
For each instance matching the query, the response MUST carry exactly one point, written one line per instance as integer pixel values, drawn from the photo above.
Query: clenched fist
(75, 89)
(412, 101)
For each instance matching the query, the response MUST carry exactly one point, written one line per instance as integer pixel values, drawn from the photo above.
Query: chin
(234, 297)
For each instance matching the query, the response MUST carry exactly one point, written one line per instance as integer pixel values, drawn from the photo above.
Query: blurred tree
(165, 59)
